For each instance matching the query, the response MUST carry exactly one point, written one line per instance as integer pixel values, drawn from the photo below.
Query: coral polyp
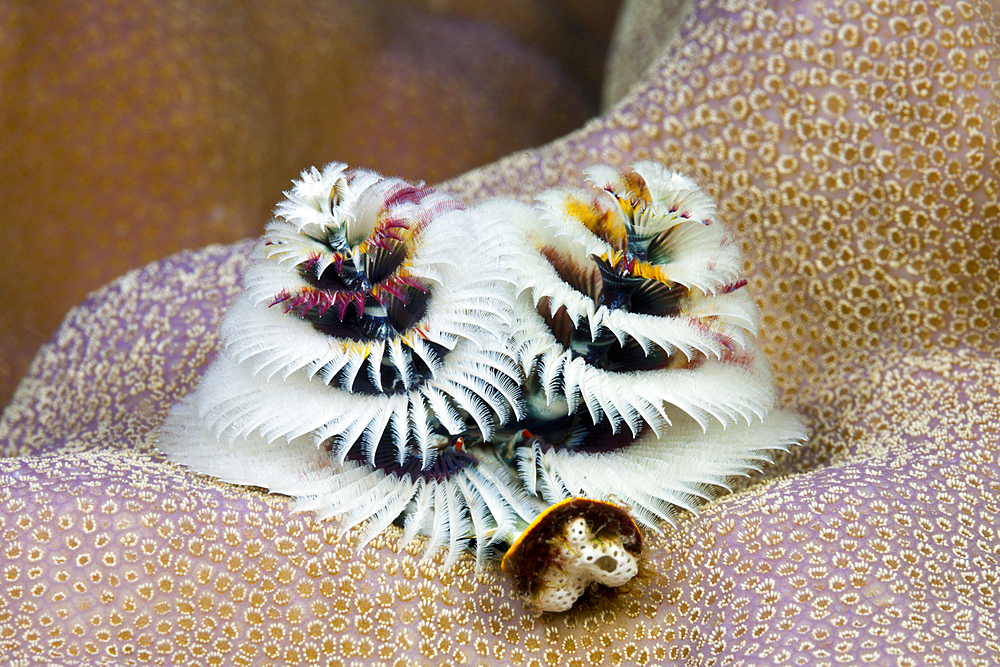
(399, 357)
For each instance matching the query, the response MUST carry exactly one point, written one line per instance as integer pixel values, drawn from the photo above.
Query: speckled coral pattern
(853, 146)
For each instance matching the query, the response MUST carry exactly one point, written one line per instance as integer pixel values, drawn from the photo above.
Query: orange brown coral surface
(131, 130)
(854, 146)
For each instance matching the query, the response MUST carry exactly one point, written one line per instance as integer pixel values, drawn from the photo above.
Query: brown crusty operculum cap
(569, 546)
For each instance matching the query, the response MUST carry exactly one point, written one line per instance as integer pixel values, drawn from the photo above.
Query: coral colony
(535, 383)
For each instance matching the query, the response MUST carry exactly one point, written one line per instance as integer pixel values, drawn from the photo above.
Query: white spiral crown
(397, 356)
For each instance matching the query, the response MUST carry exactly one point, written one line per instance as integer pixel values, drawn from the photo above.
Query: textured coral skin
(854, 148)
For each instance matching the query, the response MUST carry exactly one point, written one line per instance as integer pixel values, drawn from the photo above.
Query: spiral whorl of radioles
(397, 356)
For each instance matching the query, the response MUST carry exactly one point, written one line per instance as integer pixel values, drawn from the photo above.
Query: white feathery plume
(398, 358)
(298, 400)
(692, 345)
(480, 499)
(656, 475)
